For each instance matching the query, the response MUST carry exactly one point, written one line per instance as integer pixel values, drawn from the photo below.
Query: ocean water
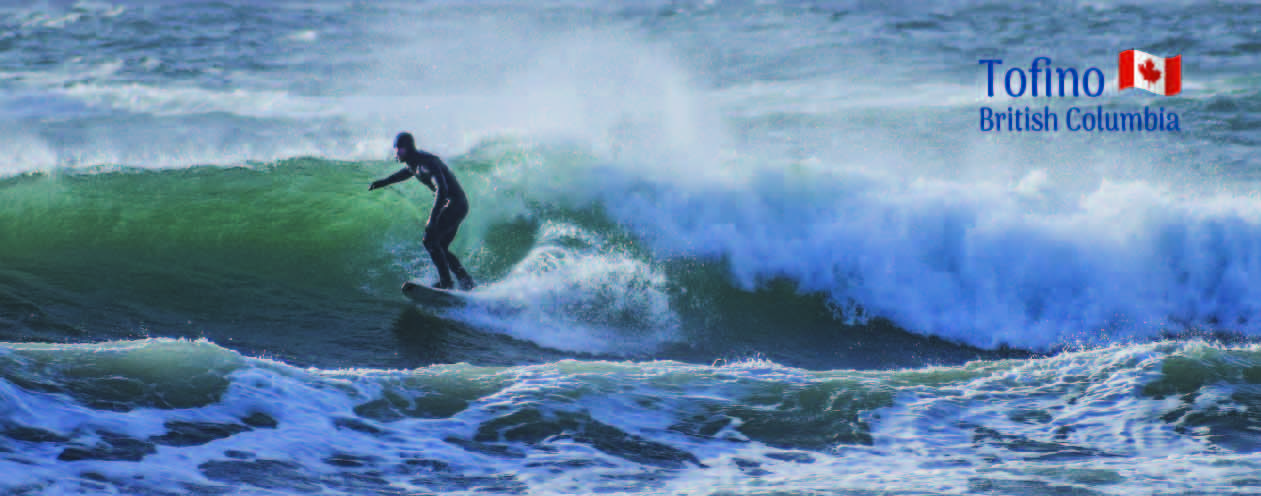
(726, 248)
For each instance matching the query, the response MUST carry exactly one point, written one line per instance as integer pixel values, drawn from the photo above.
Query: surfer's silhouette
(450, 206)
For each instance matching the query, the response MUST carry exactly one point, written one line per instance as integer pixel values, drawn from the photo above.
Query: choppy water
(727, 248)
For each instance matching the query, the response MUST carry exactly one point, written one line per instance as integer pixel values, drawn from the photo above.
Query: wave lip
(984, 264)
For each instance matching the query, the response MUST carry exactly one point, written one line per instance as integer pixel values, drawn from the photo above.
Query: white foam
(305, 36)
(980, 263)
(1039, 260)
(577, 298)
(25, 153)
(830, 95)
(608, 87)
(943, 429)
(168, 100)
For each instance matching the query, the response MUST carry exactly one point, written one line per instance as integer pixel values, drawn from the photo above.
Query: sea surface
(725, 248)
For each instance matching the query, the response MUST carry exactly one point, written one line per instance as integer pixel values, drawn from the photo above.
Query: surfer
(450, 206)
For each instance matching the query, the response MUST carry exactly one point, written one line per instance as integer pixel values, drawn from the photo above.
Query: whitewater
(726, 248)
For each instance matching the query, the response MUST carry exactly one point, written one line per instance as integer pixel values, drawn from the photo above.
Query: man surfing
(450, 206)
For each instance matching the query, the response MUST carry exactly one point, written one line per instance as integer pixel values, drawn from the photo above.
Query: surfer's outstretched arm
(399, 176)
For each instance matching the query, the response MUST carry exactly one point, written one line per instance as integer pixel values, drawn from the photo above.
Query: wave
(174, 415)
(114, 252)
(986, 265)
(1032, 264)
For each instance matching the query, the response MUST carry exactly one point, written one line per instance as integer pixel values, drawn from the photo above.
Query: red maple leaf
(1150, 73)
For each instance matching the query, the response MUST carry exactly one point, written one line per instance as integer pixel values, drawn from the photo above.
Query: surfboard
(433, 297)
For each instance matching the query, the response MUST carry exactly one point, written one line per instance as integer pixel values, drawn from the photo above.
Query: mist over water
(724, 247)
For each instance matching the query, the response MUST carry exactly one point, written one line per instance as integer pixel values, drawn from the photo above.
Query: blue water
(726, 248)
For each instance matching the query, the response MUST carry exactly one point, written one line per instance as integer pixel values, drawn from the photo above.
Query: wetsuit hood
(405, 141)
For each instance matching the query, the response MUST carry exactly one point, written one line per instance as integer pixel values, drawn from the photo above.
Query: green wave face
(268, 251)
(308, 219)
(284, 252)
(302, 243)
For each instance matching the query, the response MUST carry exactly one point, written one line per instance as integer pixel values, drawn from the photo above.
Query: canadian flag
(1162, 76)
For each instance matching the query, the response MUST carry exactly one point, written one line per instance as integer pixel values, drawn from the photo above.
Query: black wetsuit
(450, 206)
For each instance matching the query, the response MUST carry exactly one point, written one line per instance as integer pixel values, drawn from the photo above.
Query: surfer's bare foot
(443, 285)
(467, 284)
